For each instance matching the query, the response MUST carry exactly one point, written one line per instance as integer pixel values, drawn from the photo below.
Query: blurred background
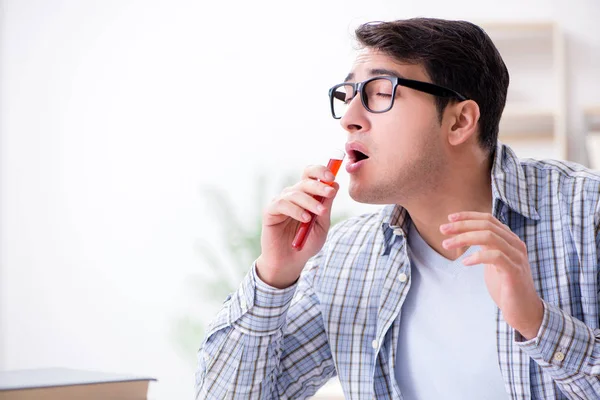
(139, 141)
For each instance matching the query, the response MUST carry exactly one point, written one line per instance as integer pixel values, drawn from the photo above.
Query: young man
(477, 280)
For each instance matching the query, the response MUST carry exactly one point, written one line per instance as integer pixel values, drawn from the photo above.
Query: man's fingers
(494, 257)
(315, 188)
(294, 204)
(283, 208)
(305, 201)
(485, 238)
(462, 226)
(318, 172)
(471, 220)
(327, 203)
(474, 215)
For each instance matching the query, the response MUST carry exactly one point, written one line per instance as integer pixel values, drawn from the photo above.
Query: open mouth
(356, 156)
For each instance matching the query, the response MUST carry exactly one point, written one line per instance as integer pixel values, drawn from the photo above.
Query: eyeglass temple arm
(430, 88)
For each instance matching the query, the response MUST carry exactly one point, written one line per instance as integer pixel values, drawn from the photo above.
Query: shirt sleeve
(565, 347)
(266, 343)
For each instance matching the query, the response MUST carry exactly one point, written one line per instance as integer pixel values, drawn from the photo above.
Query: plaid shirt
(342, 317)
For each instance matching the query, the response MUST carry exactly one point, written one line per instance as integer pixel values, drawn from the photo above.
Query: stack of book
(69, 384)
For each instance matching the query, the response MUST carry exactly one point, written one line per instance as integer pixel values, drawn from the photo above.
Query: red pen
(334, 164)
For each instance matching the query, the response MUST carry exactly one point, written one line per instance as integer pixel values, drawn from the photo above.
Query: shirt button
(374, 344)
(402, 277)
(558, 356)
(398, 232)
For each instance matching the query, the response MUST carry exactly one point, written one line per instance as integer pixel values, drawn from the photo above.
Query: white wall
(114, 113)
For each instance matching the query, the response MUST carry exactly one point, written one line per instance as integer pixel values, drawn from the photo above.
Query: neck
(464, 188)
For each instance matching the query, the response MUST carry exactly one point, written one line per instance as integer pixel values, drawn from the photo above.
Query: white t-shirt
(447, 341)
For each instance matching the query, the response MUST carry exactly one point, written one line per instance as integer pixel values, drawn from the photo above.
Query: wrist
(531, 326)
(277, 277)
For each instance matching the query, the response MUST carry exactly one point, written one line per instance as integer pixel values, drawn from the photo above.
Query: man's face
(403, 145)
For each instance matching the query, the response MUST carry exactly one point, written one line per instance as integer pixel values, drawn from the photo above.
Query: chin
(356, 193)
(366, 195)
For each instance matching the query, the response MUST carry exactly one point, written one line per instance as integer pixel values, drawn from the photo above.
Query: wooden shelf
(592, 119)
(592, 142)
(520, 30)
(513, 138)
(519, 122)
(511, 26)
(592, 111)
(534, 119)
(516, 110)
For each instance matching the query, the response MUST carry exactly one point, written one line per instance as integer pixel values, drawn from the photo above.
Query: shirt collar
(509, 186)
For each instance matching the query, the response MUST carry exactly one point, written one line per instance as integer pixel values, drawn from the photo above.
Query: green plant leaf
(242, 245)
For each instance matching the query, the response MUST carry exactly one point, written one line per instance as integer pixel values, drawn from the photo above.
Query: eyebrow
(377, 72)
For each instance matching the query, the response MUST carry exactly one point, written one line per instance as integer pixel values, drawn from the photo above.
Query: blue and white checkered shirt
(342, 317)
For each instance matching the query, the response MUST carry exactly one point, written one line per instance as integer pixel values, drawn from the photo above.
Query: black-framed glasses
(377, 94)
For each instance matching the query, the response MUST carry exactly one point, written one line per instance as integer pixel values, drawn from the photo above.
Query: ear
(463, 119)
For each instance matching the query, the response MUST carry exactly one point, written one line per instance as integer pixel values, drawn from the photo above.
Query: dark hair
(455, 54)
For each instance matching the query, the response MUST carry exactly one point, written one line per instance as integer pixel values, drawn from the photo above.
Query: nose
(355, 118)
